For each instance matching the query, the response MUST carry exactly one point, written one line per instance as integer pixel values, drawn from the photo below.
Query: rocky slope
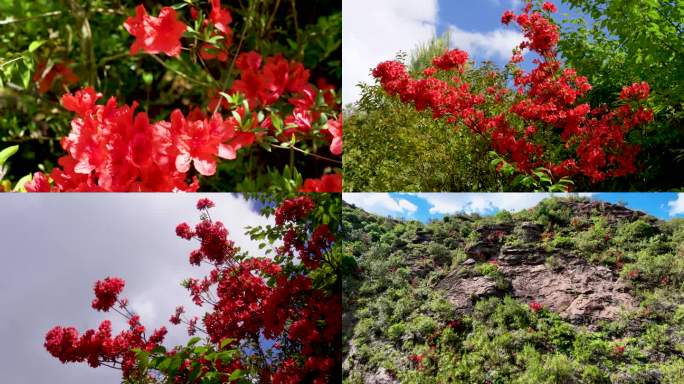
(572, 291)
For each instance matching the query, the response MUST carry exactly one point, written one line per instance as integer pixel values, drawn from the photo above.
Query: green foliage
(389, 146)
(169, 365)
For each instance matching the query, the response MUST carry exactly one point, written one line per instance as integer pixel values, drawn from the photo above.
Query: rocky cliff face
(580, 292)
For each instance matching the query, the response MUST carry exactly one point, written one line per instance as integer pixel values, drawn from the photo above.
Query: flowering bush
(291, 299)
(547, 134)
(240, 112)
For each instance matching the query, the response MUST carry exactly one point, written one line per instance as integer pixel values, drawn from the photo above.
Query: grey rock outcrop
(463, 292)
(580, 292)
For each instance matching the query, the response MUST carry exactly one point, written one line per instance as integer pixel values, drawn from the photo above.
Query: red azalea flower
(327, 183)
(82, 101)
(220, 17)
(335, 129)
(535, 307)
(198, 142)
(155, 34)
(549, 7)
(39, 183)
(636, 91)
(47, 78)
(183, 231)
(451, 60)
(204, 203)
(507, 17)
(106, 292)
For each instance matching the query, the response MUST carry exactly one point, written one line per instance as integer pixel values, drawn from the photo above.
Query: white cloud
(496, 44)
(449, 203)
(677, 206)
(380, 203)
(408, 206)
(375, 31)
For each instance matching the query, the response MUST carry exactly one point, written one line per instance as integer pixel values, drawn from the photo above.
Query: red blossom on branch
(327, 183)
(155, 34)
(46, 76)
(106, 292)
(292, 210)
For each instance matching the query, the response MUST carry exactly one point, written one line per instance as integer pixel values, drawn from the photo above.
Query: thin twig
(308, 154)
(179, 73)
(12, 20)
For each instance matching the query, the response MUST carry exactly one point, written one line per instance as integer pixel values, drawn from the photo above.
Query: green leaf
(20, 185)
(6, 153)
(236, 375)
(193, 341)
(26, 78)
(35, 45)
(225, 342)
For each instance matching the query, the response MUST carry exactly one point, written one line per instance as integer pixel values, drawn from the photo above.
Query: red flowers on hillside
(155, 34)
(547, 125)
(535, 307)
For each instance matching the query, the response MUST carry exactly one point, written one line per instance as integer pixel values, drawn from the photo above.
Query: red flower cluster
(264, 85)
(204, 204)
(215, 246)
(293, 210)
(288, 309)
(535, 307)
(155, 34)
(547, 6)
(454, 59)
(98, 346)
(110, 148)
(636, 91)
(219, 18)
(557, 131)
(327, 183)
(106, 292)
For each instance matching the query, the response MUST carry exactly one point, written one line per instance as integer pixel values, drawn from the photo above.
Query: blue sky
(374, 31)
(426, 206)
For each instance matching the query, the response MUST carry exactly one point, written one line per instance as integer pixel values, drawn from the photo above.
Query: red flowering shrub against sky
(547, 125)
(247, 299)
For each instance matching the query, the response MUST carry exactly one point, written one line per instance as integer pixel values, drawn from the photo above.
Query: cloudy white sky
(53, 249)
(426, 206)
(376, 30)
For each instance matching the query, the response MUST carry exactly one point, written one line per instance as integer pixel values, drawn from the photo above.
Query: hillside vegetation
(570, 291)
